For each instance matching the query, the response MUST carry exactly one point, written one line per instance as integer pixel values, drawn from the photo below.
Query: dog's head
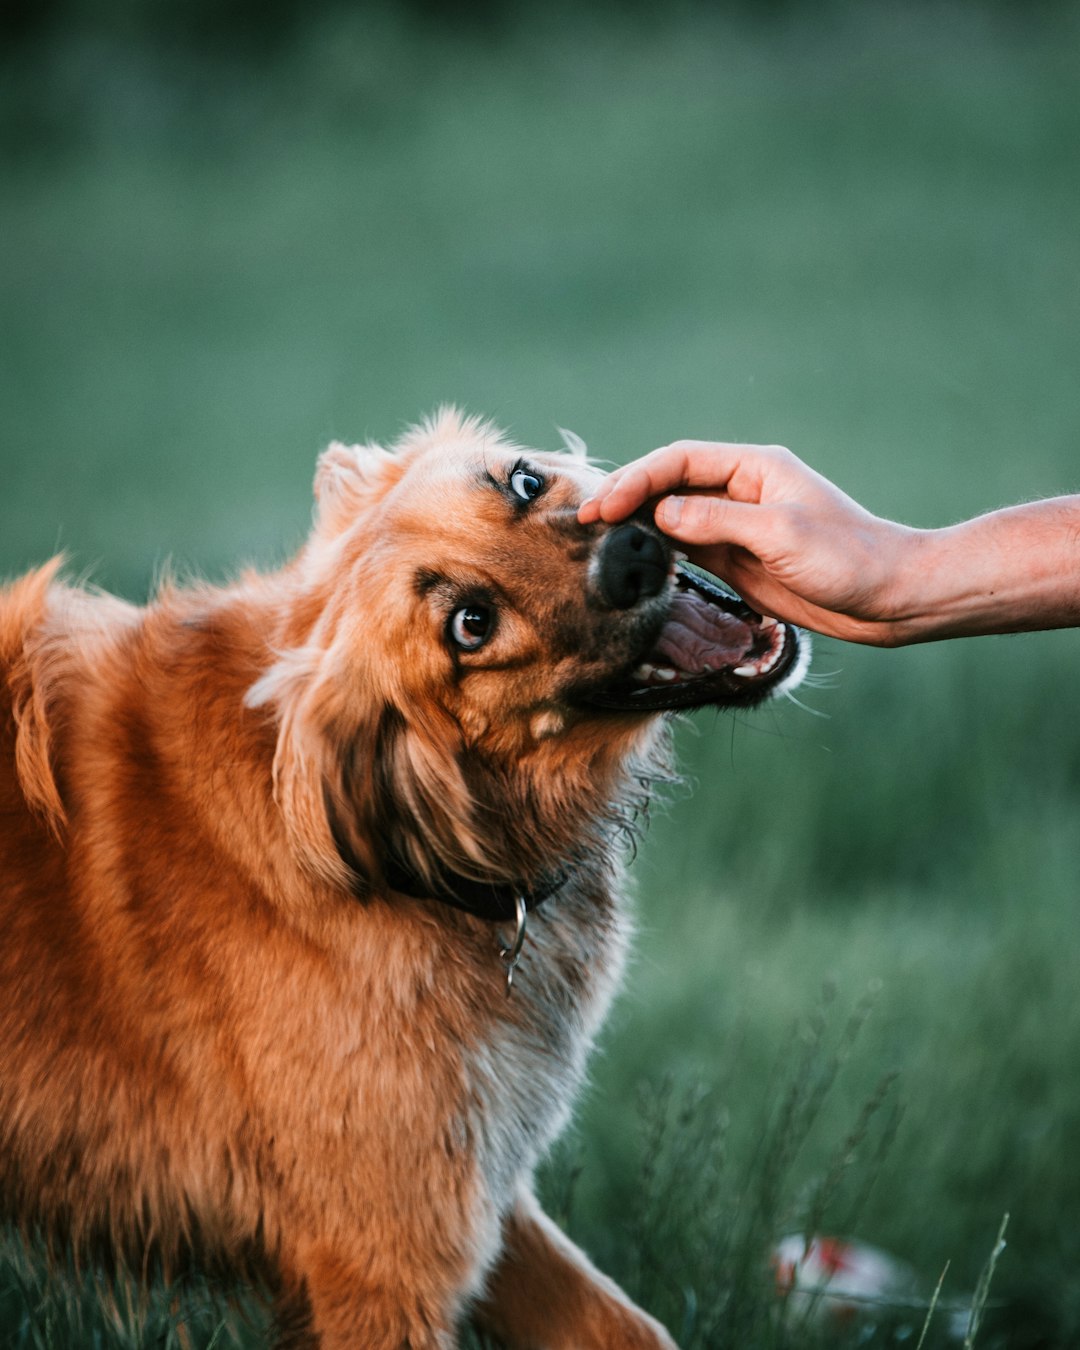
(471, 679)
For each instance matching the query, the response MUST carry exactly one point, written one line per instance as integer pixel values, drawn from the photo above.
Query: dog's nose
(633, 566)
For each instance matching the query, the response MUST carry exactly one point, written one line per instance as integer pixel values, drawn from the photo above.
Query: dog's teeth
(767, 622)
(644, 671)
(765, 663)
(745, 671)
(665, 673)
(706, 669)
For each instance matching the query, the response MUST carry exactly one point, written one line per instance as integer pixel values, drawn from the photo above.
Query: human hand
(789, 541)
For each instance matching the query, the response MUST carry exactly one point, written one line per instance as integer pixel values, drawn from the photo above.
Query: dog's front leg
(544, 1294)
(325, 1302)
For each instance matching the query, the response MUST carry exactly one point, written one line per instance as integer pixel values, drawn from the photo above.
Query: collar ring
(510, 954)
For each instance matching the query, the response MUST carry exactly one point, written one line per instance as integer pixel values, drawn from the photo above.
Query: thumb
(702, 519)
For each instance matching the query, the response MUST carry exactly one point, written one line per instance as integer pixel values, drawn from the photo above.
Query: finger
(620, 494)
(682, 464)
(704, 464)
(716, 520)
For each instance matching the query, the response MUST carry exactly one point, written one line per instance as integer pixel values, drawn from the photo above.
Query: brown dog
(261, 853)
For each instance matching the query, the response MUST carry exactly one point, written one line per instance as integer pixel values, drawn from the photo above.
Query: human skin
(796, 547)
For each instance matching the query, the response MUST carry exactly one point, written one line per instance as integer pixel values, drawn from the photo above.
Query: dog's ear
(396, 799)
(355, 787)
(346, 476)
(293, 689)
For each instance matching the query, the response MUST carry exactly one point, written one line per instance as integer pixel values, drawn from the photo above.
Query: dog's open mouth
(712, 649)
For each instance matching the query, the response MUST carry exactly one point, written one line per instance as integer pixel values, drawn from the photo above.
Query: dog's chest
(525, 1074)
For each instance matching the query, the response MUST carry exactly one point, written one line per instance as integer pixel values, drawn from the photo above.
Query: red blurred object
(831, 1279)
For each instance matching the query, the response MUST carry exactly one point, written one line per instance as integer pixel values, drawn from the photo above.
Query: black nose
(633, 566)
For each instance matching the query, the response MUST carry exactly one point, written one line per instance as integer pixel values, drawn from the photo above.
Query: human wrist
(940, 586)
(919, 586)
(911, 574)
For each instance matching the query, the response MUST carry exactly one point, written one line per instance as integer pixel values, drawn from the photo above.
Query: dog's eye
(471, 625)
(525, 484)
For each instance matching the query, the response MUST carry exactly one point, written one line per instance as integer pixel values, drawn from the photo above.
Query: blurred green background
(233, 232)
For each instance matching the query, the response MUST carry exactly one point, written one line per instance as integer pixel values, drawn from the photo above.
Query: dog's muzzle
(706, 646)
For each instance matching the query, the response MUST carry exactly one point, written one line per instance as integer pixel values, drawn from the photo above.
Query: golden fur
(221, 1030)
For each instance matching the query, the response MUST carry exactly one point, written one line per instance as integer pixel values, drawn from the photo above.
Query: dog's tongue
(700, 636)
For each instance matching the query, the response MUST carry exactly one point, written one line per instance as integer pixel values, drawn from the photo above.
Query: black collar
(494, 901)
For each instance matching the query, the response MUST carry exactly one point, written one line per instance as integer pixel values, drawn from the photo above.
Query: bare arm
(795, 546)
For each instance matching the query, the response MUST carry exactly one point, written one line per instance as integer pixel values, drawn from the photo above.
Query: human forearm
(1013, 570)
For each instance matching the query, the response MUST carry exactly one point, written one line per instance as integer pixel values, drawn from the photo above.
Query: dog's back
(46, 1007)
(66, 1100)
(109, 1062)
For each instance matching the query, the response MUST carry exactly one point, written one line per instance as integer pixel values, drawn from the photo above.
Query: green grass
(51, 1305)
(855, 234)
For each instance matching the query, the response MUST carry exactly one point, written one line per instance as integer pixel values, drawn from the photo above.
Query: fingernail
(670, 510)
